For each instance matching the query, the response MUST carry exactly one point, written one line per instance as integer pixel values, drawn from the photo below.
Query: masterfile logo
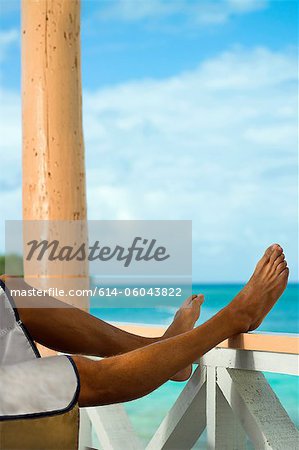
(140, 250)
(116, 263)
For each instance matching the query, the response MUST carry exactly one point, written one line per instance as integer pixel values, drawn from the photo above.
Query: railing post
(229, 431)
(211, 408)
(256, 405)
(85, 435)
(113, 428)
(186, 420)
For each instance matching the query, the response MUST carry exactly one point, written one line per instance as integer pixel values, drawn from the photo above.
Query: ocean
(147, 413)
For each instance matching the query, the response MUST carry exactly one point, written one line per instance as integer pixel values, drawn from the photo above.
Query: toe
(277, 247)
(200, 298)
(188, 302)
(270, 250)
(283, 276)
(265, 258)
(275, 254)
(281, 266)
(274, 247)
(279, 260)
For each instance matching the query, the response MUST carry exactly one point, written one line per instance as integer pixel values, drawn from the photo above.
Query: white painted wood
(113, 428)
(252, 360)
(186, 420)
(258, 408)
(211, 408)
(243, 396)
(85, 435)
(224, 431)
(230, 434)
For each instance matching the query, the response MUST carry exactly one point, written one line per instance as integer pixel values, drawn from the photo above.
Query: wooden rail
(227, 395)
(266, 342)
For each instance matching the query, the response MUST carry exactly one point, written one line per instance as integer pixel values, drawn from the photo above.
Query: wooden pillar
(53, 149)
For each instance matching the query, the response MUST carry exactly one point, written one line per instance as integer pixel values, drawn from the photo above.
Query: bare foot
(184, 320)
(262, 291)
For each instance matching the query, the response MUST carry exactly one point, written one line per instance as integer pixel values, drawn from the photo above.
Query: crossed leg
(141, 364)
(137, 373)
(63, 328)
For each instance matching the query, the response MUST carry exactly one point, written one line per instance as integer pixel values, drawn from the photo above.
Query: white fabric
(37, 386)
(28, 384)
(14, 345)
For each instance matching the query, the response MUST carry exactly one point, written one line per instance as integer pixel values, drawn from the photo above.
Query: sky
(190, 112)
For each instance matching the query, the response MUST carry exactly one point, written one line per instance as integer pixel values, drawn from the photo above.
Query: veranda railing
(227, 395)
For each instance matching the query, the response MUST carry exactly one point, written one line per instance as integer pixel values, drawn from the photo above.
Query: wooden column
(53, 150)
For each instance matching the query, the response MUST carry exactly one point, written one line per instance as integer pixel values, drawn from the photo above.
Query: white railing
(227, 395)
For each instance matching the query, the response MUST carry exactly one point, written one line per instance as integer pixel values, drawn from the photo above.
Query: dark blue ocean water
(147, 413)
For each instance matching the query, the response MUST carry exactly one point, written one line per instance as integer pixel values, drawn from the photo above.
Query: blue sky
(190, 112)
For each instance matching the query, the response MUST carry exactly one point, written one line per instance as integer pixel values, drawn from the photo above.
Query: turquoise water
(147, 413)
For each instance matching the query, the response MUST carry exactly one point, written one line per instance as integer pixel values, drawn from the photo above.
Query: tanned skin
(141, 365)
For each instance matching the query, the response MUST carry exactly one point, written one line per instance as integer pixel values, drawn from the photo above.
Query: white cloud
(10, 151)
(246, 5)
(217, 145)
(204, 11)
(7, 38)
(10, 143)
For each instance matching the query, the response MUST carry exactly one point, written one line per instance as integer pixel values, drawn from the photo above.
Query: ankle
(239, 319)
